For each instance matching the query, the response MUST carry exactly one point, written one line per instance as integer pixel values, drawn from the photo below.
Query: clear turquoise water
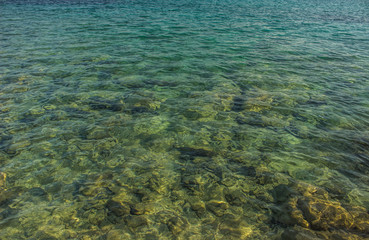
(184, 119)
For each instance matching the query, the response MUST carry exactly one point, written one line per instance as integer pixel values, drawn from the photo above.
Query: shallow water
(184, 119)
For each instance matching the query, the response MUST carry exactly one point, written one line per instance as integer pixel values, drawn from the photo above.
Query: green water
(184, 119)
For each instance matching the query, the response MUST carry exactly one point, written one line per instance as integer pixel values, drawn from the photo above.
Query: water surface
(184, 119)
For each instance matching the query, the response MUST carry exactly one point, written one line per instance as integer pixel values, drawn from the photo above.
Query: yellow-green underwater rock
(311, 208)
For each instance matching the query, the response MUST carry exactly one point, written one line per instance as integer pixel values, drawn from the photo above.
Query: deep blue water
(184, 119)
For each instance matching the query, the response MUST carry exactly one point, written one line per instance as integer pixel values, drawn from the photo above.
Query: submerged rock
(238, 103)
(203, 113)
(260, 101)
(248, 171)
(233, 227)
(199, 207)
(53, 188)
(152, 125)
(301, 234)
(135, 221)
(138, 209)
(118, 208)
(94, 216)
(310, 207)
(231, 220)
(194, 183)
(250, 118)
(172, 221)
(325, 214)
(191, 153)
(217, 207)
(177, 224)
(98, 133)
(99, 103)
(142, 101)
(237, 197)
(282, 193)
(158, 184)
